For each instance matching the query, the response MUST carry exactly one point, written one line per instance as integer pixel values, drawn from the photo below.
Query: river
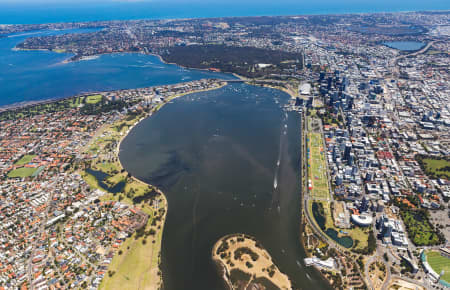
(228, 162)
(39, 75)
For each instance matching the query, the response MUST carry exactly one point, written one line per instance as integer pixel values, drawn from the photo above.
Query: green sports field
(25, 159)
(94, 99)
(22, 172)
(317, 167)
(439, 263)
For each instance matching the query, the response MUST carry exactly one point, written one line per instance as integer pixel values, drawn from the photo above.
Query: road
(39, 234)
(332, 244)
(397, 58)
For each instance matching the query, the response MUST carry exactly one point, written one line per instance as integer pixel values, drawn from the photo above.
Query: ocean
(23, 12)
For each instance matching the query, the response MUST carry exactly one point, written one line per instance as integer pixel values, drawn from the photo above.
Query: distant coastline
(13, 13)
(23, 104)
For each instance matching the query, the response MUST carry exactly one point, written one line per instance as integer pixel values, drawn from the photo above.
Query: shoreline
(96, 56)
(149, 114)
(161, 193)
(152, 270)
(226, 273)
(280, 89)
(318, 13)
(305, 218)
(25, 104)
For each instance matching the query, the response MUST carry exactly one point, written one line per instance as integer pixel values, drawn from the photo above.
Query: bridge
(260, 81)
(234, 81)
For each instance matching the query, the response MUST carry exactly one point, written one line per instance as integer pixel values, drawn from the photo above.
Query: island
(245, 264)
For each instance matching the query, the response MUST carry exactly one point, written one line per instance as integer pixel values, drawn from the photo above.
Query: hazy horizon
(49, 11)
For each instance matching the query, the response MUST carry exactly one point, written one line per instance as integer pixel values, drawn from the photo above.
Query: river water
(405, 45)
(228, 162)
(39, 75)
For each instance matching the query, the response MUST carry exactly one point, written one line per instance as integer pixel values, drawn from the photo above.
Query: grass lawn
(438, 167)
(439, 263)
(94, 149)
(329, 219)
(22, 172)
(122, 126)
(357, 233)
(132, 187)
(61, 105)
(138, 188)
(317, 167)
(91, 180)
(94, 99)
(142, 258)
(75, 102)
(107, 167)
(25, 159)
(115, 179)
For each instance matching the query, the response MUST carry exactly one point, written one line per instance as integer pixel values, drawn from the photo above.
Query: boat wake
(276, 191)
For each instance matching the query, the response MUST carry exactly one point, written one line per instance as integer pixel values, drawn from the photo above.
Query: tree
(371, 242)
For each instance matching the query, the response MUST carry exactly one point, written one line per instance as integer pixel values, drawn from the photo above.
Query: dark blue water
(37, 75)
(405, 45)
(35, 12)
(228, 161)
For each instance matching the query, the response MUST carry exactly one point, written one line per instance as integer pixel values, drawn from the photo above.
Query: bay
(40, 75)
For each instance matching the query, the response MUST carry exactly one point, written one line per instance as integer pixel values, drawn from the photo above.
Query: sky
(81, 2)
